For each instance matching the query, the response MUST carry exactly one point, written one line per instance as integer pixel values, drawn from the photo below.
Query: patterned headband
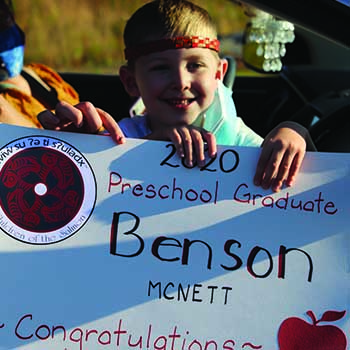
(179, 42)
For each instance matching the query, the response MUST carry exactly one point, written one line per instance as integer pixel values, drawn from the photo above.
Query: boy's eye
(159, 67)
(194, 65)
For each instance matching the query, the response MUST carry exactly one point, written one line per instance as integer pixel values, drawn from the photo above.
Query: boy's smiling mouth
(180, 102)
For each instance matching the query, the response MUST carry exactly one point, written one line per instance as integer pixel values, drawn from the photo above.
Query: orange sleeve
(65, 92)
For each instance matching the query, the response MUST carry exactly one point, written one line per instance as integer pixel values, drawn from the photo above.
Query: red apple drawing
(297, 334)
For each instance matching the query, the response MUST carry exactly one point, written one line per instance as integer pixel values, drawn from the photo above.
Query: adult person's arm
(82, 117)
(10, 115)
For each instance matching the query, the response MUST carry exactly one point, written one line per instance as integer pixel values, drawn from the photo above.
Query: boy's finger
(48, 120)
(295, 167)
(261, 166)
(111, 126)
(283, 171)
(187, 145)
(91, 117)
(198, 146)
(211, 142)
(271, 170)
(175, 138)
(69, 114)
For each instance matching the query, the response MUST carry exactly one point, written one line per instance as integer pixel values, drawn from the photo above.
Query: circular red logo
(47, 190)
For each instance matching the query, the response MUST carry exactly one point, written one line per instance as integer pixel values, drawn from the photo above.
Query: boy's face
(177, 85)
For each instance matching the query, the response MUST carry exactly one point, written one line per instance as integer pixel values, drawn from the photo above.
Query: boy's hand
(281, 157)
(189, 142)
(83, 117)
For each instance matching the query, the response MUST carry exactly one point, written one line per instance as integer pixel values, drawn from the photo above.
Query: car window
(86, 36)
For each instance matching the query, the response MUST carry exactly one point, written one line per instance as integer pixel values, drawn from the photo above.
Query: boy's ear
(127, 77)
(222, 69)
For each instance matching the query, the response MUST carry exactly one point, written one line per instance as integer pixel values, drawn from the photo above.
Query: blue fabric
(12, 50)
(11, 37)
(221, 119)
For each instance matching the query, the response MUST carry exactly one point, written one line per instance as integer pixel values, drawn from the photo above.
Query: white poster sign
(123, 247)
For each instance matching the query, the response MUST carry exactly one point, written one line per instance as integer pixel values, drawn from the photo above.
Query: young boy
(173, 64)
(172, 51)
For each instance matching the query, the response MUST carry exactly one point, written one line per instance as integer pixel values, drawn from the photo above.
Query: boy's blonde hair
(161, 19)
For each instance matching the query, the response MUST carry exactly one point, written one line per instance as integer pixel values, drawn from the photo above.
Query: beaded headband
(179, 42)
